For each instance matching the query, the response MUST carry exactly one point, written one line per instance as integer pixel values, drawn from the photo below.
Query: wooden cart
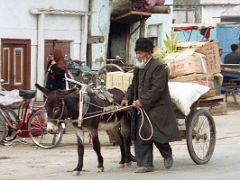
(198, 128)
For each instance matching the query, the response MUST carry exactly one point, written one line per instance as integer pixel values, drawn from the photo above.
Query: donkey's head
(55, 106)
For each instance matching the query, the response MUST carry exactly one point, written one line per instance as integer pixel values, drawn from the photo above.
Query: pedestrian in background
(56, 68)
(149, 90)
(234, 56)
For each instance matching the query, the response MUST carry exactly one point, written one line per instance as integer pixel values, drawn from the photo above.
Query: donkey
(64, 104)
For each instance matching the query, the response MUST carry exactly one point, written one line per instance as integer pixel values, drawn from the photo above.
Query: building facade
(82, 29)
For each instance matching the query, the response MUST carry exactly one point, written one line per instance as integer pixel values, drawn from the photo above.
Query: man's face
(238, 49)
(143, 55)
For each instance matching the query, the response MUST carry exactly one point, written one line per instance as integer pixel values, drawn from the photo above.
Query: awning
(188, 27)
(131, 17)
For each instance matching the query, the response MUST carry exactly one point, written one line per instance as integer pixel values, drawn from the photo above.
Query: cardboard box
(210, 49)
(203, 79)
(118, 80)
(185, 63)
(127, 80)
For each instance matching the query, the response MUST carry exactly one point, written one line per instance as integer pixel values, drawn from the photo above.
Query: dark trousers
(144, 151)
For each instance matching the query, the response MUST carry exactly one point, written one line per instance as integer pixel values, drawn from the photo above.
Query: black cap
(144, 44)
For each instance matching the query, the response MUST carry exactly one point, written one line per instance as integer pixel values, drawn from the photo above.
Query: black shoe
(144, 169)
(168, 162)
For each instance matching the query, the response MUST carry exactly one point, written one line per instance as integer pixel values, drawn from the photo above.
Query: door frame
(27, 43)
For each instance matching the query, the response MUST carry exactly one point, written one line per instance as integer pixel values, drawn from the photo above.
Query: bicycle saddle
(27, 94)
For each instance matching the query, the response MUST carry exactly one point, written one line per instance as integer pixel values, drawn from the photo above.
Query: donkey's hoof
(76, 173)
(128, 164)
(121, 165)
(100, 169)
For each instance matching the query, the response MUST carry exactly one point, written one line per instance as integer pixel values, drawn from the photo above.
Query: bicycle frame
(21, 126)
(29, 122)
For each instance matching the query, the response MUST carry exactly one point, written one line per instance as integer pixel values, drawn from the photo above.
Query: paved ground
(26, 162)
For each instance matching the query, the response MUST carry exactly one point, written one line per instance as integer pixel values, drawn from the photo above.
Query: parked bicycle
(30, 121)
(78, 70)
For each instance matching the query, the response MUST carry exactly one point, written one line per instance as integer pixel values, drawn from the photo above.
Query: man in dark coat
(149, 90)
(234, 56)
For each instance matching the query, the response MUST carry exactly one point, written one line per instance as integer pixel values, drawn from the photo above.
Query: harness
(112, 110)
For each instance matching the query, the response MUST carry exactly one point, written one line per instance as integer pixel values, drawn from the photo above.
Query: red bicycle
(30, 122)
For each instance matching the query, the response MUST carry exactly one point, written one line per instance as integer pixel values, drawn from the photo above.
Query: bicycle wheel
(11, 115)
(3, 128)
(201, 136)
(37, 127)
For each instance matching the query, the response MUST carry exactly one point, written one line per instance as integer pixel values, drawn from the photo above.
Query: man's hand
(137, 104)
(124, 103)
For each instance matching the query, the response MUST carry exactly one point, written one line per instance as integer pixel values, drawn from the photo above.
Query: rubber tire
(191, 119)
(12, 116)
(43, 128)
(3, 128)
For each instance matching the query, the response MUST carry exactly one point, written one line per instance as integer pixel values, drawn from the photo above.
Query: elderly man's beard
(141, 64)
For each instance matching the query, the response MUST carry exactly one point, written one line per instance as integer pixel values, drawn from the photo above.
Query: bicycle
(78, 70)
(30, 121)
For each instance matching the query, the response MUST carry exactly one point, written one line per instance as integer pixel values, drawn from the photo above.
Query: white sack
(10, 97)
(185, 94)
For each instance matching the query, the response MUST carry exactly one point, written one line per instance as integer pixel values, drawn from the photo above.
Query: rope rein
(117, 109)
(144, 114)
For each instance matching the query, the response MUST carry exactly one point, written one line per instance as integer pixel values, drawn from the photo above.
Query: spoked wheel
(12, 117)
(3, 129)
(102, 72)
(37, 127)
(201, 136)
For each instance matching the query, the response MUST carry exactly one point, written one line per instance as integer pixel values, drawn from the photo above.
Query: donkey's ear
(42, 89)
(64, 93)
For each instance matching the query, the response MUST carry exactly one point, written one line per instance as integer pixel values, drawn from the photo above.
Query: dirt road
(26, 162)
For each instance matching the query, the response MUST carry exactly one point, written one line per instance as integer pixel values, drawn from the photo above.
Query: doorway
(64, 46)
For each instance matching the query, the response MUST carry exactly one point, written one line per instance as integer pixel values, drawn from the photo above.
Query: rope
(143, 113)
(104, 113)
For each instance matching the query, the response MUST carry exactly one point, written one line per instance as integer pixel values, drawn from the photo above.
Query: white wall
(17, 22)
(100, 27)
(220, 1)
(211, 14)
(212, 9)
(163, 21)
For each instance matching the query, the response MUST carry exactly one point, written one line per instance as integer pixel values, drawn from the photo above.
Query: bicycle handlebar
(77, 82)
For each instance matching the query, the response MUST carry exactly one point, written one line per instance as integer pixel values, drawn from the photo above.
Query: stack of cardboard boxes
(197, 62)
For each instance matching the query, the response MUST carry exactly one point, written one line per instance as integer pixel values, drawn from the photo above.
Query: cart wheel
(201, 136)
(108, 68)
(37, 128)
(3, 128)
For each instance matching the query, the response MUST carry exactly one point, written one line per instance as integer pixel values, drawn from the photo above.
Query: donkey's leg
(80, 149)
(125, 132)
(119, 138)
(97, 149)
